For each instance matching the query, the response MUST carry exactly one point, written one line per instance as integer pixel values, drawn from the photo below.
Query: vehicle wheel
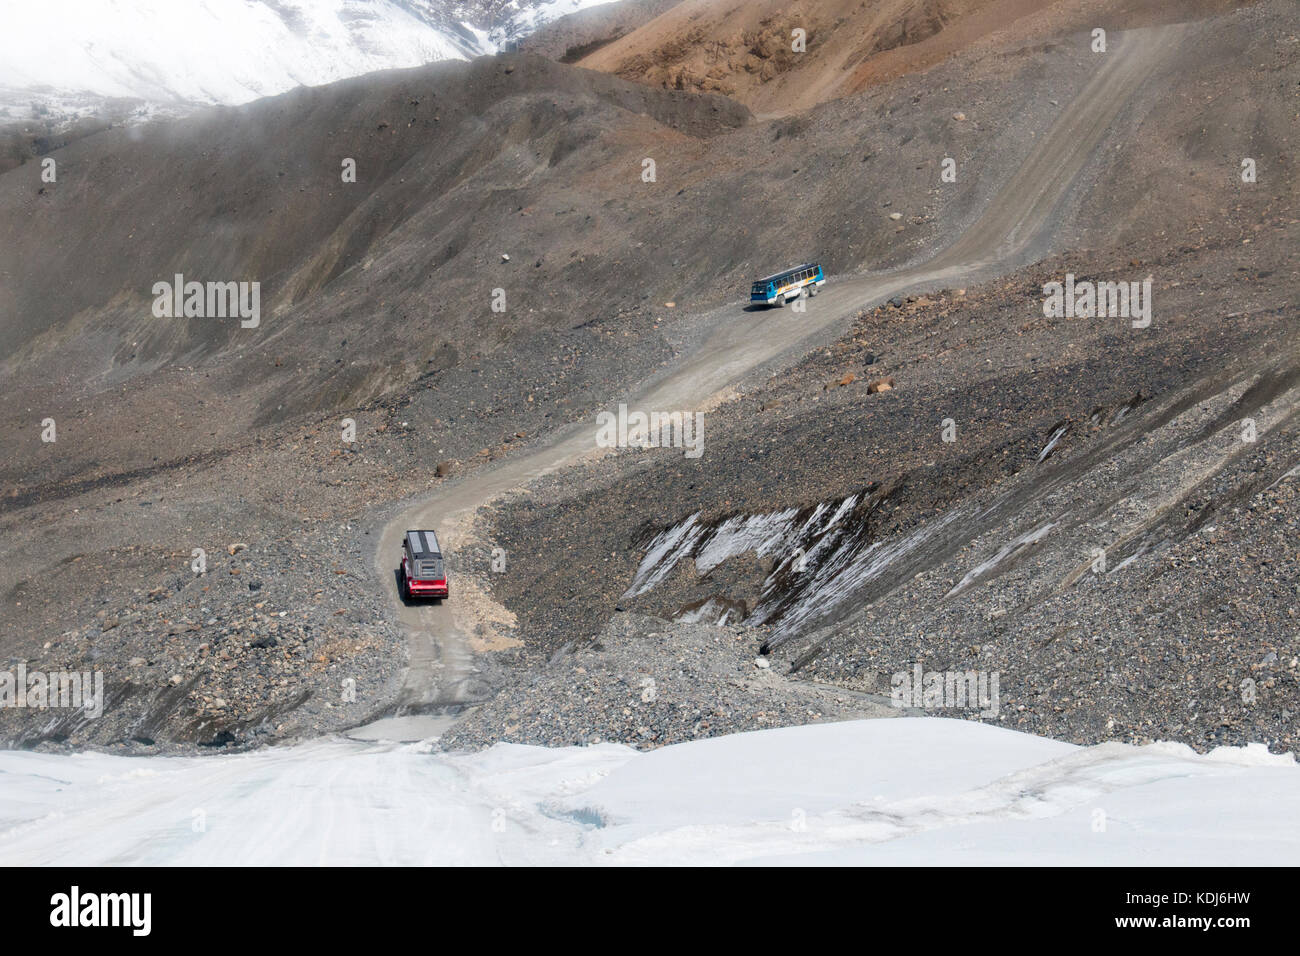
(813, 290)
(780, 301)
(406, 589)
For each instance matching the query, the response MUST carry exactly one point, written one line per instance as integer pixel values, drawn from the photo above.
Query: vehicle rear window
(423, 543)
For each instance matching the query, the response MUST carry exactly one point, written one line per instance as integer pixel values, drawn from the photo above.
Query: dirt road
(1015, 226)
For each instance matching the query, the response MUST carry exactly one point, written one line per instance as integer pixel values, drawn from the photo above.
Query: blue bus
(802, 280)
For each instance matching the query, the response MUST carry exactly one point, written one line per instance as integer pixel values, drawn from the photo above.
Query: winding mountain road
(1014, 224)
(979, 794)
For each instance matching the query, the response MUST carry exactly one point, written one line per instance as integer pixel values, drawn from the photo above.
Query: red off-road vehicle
(423, 573)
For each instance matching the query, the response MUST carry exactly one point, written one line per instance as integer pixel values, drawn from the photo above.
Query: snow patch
(982, 570)
(877, 792)
(69, 56)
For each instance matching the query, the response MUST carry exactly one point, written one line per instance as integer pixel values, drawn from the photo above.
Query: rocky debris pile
(1195, 639)
(1011, 384)
(646, 682)
(277, 639)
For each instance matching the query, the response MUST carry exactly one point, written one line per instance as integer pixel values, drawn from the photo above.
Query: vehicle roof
(423, 543)
(806, 265)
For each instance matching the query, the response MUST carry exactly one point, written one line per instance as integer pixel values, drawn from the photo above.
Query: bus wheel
(780, 300)
(813, 290)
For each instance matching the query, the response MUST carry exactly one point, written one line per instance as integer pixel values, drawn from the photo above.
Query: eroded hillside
(526, 177)
(748, 50)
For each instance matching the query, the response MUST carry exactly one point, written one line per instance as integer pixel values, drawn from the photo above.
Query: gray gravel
(646, 682)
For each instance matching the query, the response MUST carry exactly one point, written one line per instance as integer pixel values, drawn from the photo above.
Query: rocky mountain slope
(528, 176)
(751, 50)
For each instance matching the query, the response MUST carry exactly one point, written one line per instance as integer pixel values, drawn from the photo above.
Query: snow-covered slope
(71, 55)
(903, 791)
